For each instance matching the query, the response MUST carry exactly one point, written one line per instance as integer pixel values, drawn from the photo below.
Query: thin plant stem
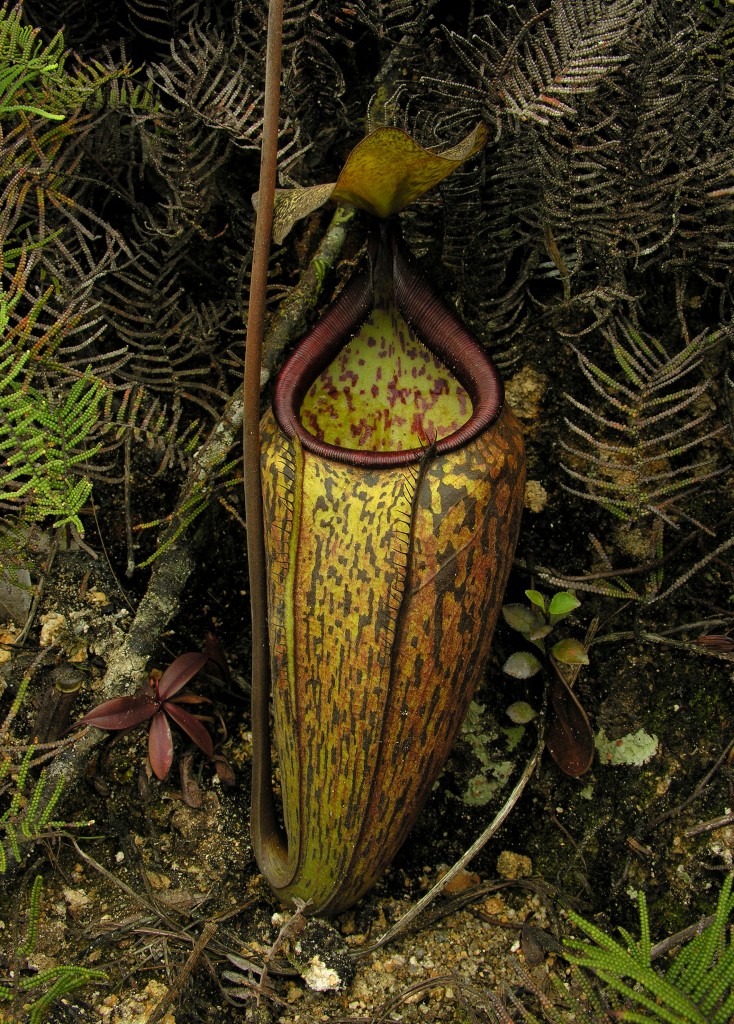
(263, 820)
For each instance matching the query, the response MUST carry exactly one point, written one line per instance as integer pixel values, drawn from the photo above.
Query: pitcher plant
(392, 485)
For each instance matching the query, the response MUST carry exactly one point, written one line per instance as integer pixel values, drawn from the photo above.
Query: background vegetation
(590, 247)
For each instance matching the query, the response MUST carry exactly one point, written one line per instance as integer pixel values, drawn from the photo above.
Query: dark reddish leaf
(179, 672)
(160, 746)
(215, 653)
(536, 942)
(121, 712)
(188, 698)
(191, 726)
(532, 949)
(145, 775)
(225, 771)
(568, 735)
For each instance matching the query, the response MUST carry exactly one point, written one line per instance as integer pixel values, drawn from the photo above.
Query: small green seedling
(568, 737)
(537, 621)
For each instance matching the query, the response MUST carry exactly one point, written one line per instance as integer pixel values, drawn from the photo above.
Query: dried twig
(192, 960)
(709, 826)
(698, 791)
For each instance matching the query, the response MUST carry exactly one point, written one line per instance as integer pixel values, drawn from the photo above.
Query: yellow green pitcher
(393, 478)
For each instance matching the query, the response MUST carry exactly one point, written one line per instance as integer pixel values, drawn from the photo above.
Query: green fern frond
(697, 988)
(27, 65)
(27, 801)
(142, 417)
(33, 74)
(28, 816)
(34, 912)
(39, 991)
(43, 439)
(44, 431)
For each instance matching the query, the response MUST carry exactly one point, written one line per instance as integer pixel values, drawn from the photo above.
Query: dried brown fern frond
(391, 20)
(642, 449)
(314, 90)
(40, 166)
(206, 76)
(187, 157)
(647, 162)
(534, 70)
(172, 341)
(637, 175)
(331, 53)
(674, 158)
(506, 220)
(136, 416)
(159, 21)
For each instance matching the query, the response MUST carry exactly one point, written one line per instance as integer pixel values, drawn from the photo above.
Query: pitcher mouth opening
(445, 391)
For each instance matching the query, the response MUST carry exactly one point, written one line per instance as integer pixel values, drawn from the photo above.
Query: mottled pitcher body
(385, 578)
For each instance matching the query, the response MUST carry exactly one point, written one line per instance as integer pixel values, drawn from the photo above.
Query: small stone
(321, 978)
(322, 957)
(525, 392)
(461, 882)
(393, 963)
(76, 900)
(7, 639)
(293, 993)
(16, 596)
(136, 1008)
(514, 865)
(78, 653)
(536, 496)
(53, 625)
(494, 906)
(158, 880)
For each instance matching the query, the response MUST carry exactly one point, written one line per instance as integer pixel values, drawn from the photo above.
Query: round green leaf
(535, 597)
(522, 665)
(525, 620)
(570, 652)
(563, 604)
(521, 713)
